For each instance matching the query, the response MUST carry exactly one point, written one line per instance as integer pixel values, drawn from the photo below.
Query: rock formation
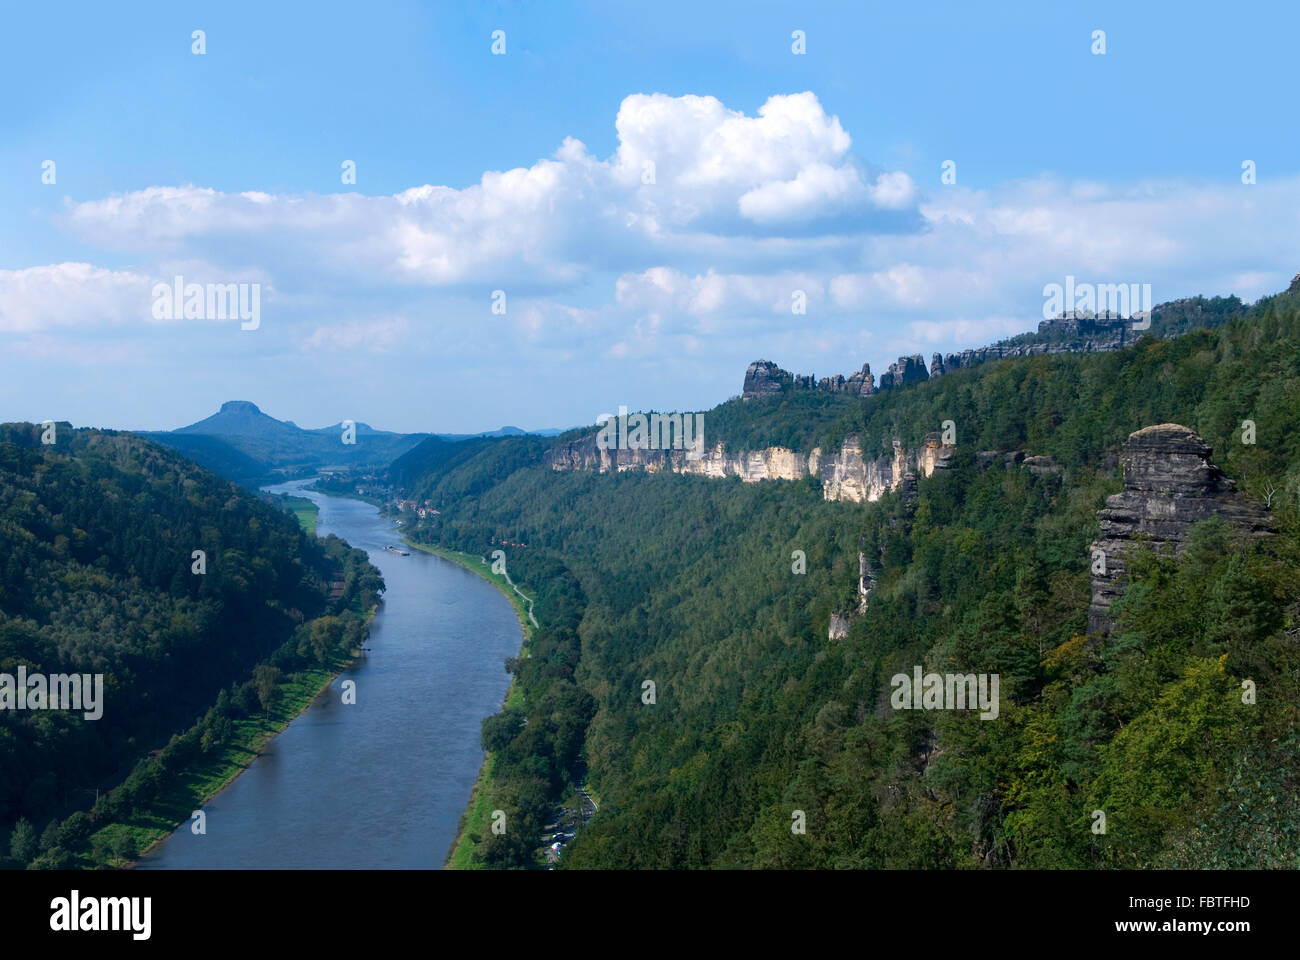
(933, 455)
(769, 463)
(763, 378)
(907, 370)
(1041, 466)
(861, 384)
(866, 579)
(1058, 335)
(1083, 332)
(846, 473)
(1169, 484)
(1072, 334)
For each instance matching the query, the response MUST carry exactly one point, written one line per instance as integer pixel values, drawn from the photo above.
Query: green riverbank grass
(306, 511)
(478, 814)
(208, 776)
(475, 820)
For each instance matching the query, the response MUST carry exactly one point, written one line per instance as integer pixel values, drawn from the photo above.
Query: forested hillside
(693, 584)
(98, 575)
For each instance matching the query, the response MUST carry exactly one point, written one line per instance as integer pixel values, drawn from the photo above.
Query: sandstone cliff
(846, 474)
(769, 463)
(1169, 484)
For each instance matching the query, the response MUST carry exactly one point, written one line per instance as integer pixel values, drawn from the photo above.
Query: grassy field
(208, 776)
(478, 814)
(306, 511)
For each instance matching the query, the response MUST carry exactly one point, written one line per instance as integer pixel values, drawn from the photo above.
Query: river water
(381, 783)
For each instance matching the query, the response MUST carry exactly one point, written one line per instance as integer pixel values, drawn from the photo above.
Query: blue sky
(774, 172)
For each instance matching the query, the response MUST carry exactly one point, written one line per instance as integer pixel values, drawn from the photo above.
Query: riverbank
(519, 601)
(379, 502)
(478, 812)
(195, 786)
(306, 511)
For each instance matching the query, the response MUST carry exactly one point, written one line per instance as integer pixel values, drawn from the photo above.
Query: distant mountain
(243, 444)
(239, 418)
(503, 432)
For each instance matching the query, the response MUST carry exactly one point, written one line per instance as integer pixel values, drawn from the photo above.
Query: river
(382, 783)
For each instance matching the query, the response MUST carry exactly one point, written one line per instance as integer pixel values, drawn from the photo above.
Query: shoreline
(374, 501)
(477, 565)
(254, 748)
(257, 746)
(476, 813)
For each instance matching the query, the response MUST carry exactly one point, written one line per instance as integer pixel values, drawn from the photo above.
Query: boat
(397, 550)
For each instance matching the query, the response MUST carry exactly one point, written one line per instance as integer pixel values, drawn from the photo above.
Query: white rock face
(844, 473)
(865, 582)
(847, 476)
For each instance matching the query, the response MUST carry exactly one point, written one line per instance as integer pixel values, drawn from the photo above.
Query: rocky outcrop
(906, 371)
(1076, 332)
(770, 463)
(866, 580)
(763, 378)
(846, 473)
(1169, 484)
(861, 384)
(1073, 334)
(1041, 466)
(839, 627)
(933, 455)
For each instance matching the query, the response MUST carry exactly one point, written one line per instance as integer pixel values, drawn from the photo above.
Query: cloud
(375, 336)
(687, 173)
(962, 330)
(57, 350)
(692, 237)
(667, 291)
(700, 143)
(817, 190)
(72, 295)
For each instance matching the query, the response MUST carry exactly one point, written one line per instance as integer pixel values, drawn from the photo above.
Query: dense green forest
(688, 582)
(215, 454)
(97, 538)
